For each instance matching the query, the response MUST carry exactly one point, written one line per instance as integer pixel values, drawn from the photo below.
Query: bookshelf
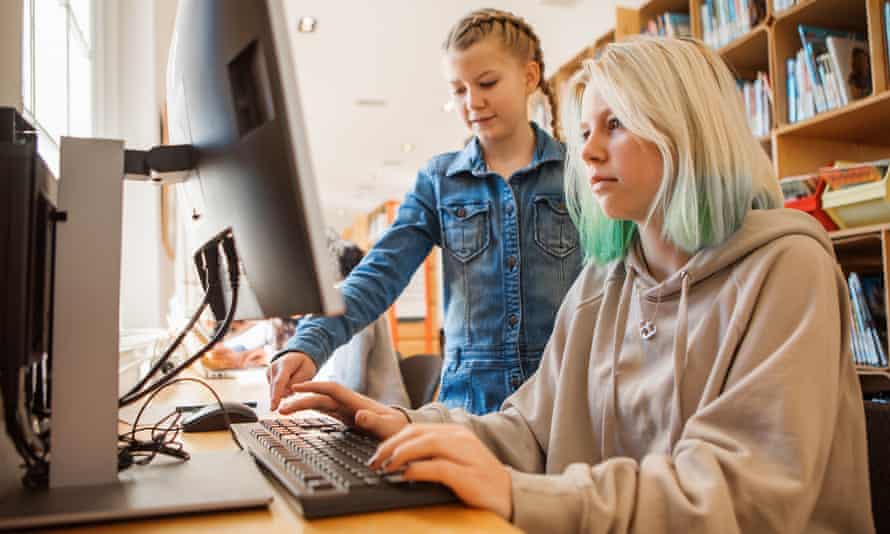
(857, 131)
(419, 333)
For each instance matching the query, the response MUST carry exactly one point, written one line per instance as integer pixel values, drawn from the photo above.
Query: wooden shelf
(841, 14)
(861, 231)
(863, 121)
(749, 53)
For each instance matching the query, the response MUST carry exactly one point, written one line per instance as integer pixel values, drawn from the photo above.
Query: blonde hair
(515, 34)
(680, 96)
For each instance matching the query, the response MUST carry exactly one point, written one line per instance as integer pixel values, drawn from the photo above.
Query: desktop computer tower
(28, 195)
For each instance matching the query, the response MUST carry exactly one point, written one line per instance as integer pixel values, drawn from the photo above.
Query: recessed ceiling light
(307, 24)
(407, 147)
(371, 102)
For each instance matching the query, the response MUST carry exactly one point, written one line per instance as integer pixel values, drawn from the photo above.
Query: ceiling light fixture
(371, 102)
(307, 24)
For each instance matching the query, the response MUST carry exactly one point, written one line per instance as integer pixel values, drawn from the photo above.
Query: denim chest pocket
(554, 230)
(466, 229)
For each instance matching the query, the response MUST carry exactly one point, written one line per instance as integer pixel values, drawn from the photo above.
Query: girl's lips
(482, 120)
(599, 182)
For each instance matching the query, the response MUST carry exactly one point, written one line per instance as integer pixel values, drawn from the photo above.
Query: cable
(134, 451)
(228, 243)
(158, 365)
(201, 264)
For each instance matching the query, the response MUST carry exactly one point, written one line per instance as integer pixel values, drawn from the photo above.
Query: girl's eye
(488, 84)
(613, 123)
(458, 91)
(585, 135)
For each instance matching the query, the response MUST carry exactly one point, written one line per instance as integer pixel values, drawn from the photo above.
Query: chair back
(421, 376)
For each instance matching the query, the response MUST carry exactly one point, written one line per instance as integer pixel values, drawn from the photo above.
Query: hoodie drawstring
(610, 410)
(680, 356)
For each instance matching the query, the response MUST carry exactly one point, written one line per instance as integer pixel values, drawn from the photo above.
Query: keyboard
(321, 461)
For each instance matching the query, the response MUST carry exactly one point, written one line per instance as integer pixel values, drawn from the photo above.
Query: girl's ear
(532, 76)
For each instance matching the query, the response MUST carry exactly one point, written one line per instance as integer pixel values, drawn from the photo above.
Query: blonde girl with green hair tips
(699, 377)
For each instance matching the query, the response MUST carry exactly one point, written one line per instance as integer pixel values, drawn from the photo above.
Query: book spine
(791, 88)
(887, 30)
(857, 329)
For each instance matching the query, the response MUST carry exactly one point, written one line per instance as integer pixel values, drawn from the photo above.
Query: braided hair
(515, 33)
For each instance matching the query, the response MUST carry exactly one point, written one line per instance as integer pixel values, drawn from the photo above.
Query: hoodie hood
(759, 228)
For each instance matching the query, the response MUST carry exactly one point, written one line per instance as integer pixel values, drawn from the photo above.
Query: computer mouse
(211, 418)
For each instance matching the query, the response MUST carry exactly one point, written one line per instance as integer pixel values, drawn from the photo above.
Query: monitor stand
(84, 484)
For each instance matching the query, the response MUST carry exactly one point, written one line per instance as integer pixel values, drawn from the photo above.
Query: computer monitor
(232, 93)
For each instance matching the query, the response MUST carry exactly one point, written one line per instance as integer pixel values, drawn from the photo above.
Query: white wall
(129, 107)
(11, 53)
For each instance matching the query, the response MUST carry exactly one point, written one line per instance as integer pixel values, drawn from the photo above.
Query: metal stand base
(210, 481)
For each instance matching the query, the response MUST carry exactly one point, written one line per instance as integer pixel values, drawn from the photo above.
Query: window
(58, 70)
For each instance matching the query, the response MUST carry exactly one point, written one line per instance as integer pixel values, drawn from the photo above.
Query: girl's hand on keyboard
(451, 455)
(347, 406)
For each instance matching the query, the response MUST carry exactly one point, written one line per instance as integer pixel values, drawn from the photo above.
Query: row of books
(841, 175)
(757, 96)
(669, 24)
(831, 70)
(726, 20)
(869, 320)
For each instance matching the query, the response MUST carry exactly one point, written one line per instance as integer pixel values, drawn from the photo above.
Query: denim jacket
(510, 254)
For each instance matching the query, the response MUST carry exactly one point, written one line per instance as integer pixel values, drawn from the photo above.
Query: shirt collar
(470, 158)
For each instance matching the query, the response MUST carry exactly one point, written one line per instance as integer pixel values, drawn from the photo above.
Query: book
(814, 44)
(850, 62)
(887, 30)
(848, 174)
(829, 84)
(797, 187)
(791, 88)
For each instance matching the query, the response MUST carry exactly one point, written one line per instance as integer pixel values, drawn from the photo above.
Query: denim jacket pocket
(465, 229)
(554, 230)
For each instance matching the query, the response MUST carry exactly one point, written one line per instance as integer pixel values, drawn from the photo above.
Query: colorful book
(847, 174)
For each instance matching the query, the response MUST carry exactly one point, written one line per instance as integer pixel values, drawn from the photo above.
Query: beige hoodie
(742, 414)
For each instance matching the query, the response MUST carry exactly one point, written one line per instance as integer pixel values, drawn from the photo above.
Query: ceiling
(388, 52)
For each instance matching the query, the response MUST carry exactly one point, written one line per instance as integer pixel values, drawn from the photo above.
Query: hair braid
(517, 35)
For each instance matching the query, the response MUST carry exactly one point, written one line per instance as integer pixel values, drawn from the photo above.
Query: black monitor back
(232, 93)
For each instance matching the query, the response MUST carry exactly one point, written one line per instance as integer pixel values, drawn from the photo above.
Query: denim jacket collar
(470, 158)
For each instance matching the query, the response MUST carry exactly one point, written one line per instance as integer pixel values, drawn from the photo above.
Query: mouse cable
(163, 440)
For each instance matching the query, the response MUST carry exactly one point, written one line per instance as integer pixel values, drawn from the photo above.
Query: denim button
(461, 212)
(515, 382)
(511, 262)
(513, 320)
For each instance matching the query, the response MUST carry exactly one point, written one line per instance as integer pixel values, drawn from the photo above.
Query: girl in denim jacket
(497, 209)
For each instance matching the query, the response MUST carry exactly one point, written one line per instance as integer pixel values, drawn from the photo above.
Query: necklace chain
(647, 326)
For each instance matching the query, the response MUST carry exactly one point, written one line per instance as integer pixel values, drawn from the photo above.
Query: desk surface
(283, 514)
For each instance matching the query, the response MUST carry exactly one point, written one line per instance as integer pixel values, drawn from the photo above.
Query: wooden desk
(283, 514)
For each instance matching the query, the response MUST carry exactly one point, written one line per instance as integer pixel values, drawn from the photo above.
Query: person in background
(497, 209)
(699, 377)
(368, 363)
